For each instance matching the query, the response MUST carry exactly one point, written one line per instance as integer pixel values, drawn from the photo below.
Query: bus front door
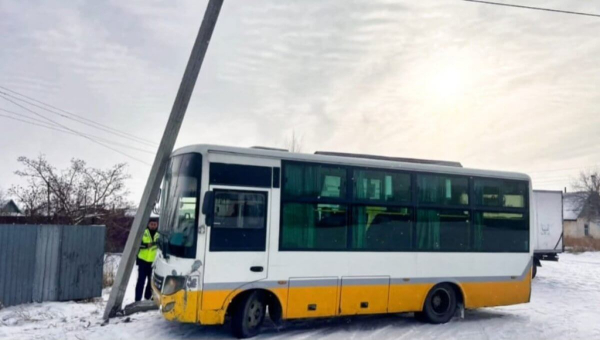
(237, 241)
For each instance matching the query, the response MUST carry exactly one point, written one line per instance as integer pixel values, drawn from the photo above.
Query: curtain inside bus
(314, 182)
(440, 189)
(300, 228)
(428, 229)
(314, 226)
(478, 232)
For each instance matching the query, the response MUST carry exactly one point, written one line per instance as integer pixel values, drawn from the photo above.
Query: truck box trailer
(548, 211)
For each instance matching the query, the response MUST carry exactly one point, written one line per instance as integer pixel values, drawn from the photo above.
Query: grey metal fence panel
(17, 264)
(50, 263)
(82, 256)
(45, 282)
(3, 261)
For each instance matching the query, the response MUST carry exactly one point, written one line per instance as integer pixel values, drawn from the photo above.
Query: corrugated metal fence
(50, 262)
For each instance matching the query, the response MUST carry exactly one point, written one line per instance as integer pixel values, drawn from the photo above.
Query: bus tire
(533, 271)
(440, 304)
(248, 316)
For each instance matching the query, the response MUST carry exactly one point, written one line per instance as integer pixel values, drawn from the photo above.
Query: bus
(251, 233)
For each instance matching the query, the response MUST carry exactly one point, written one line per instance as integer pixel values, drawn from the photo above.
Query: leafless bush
(108, 279)
(111, 264)
(294, 143)
(587, 194)
(73, 193)
(579, 245)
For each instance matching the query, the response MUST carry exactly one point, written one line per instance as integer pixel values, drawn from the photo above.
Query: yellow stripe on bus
(309, 302)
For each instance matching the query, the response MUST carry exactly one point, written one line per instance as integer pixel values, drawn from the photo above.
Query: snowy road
(565, 304)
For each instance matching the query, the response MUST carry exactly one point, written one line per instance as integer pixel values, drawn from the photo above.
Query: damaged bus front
(177, 276)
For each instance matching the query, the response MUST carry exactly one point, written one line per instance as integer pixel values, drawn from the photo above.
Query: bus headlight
(173, 284)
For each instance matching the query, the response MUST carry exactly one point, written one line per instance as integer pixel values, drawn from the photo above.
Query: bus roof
(348, 161)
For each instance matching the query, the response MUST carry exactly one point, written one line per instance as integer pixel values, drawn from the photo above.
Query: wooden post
(162, 156)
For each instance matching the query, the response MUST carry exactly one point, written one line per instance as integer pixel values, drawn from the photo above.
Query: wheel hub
(440, 302)
(255, 312)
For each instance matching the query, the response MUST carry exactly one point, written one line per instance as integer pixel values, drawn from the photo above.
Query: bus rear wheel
(248, 316)
(440, 304)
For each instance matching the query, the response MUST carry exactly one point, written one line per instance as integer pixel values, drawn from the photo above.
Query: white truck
(549, 226)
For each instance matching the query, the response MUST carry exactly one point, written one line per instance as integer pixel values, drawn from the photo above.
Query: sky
(492, 87)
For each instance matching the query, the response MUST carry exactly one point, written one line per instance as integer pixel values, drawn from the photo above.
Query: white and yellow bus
(250, 233)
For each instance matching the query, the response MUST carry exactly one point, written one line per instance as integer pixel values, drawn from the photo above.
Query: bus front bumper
(184, 306)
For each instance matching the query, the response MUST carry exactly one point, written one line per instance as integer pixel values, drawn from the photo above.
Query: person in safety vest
(144, 260)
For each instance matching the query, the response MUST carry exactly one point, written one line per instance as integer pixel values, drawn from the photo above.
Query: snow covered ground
(565, 304)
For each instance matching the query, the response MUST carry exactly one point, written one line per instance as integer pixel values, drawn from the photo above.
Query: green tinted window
(240, 219)
(314, 181)
(500, 193)
(381, 186)
(501, 232)
(313, 226)
(381, 228)
(441, 189)
(443, 230)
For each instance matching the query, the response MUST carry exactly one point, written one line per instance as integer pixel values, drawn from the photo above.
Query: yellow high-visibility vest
(148, 254)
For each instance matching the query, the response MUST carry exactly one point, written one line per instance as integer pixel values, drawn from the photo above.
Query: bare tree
(71, 194)
(294, 143)
(587, 194)
(31, 198)
(2, 195)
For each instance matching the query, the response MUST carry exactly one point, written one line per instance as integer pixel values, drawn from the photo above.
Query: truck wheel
(440, 304)
(533, 271)
(248, 316)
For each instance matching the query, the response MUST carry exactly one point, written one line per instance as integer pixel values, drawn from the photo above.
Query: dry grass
(579, 245)
(108, 279)
(111, 264)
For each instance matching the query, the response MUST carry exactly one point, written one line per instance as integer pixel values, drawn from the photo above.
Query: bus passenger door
(237, 241)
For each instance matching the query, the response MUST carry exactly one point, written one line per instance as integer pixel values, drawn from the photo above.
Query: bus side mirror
(208, 208)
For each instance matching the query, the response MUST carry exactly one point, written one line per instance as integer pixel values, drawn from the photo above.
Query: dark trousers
(144, 275)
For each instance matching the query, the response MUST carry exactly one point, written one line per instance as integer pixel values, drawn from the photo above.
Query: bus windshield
(179, 206)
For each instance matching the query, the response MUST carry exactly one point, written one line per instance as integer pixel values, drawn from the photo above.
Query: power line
(81, 120)
(535, 8)
(40, 123)
(552, 181)
(33, 123)
(75, 117)
(76, 132)
(21, 115)
(556, 170)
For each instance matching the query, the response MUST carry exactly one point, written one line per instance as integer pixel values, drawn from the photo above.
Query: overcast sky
(492, 87)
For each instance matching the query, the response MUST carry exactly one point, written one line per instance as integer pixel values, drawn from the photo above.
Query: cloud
(489, 86)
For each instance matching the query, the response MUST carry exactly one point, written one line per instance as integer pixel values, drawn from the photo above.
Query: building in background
(9, 208)
(576, 225)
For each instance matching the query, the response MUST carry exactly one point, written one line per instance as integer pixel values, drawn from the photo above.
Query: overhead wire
(37, 122)
(76, 132)
(533, 8)
(69, 115)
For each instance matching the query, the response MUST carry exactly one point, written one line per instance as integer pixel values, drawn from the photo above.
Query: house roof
(132, 212)
(5, 204)
(571, 210)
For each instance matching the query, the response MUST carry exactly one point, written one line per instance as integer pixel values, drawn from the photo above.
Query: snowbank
(565, 303)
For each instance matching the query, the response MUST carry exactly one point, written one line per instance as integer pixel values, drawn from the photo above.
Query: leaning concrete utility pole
(162, 156)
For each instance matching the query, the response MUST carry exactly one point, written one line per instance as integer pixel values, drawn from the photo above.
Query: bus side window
(240, 221)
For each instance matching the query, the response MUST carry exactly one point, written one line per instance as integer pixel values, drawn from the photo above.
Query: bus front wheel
(248, 316)
(440, 304)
